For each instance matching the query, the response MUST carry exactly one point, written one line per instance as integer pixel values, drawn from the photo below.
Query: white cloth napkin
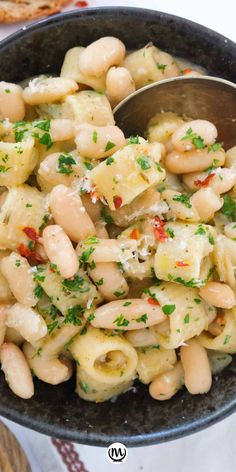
(211, 449)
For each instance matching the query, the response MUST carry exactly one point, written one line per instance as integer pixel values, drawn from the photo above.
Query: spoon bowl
(206, 98)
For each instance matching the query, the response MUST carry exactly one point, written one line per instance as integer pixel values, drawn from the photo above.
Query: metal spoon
(207, 98)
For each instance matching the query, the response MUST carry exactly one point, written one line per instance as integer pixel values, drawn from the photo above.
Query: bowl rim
(93, 438)
(57, 18)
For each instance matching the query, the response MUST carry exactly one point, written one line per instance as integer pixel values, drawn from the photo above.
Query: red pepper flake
(187, 71)
(117, 201)
(205, 182)
(181, 264)
(152, 301)
(135, 234)
(24, 250)
(31, 233)
(159, 231)
(81, 4)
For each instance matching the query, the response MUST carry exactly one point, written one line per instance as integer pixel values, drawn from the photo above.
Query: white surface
(212, 449)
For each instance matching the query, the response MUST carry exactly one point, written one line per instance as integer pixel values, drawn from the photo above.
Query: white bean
(100, 230)
(218, 294)
(19, 275)
(196, 128)
(60, 251)
(49, 370)
(11, 102)
(96, 142)
(206, 203)
(68, 212)
(221, 180)
(100, 55)
(49, 173)
(166, 65)
(48, 90)
(3, 318)
(61, 129)
(193, 161)
(109, 280)
(197, 370)
(180, 210)
(16, 370)
(127, 314)
(119, 84)
(27, 321)
(166, 385)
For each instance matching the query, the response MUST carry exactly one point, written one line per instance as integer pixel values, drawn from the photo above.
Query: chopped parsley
(109, 161)
(95, 137)
(52, 326)
(170, 232)
(161, 67)
(84, 386)
(88, 165)
(54, 268)
(119, 294)
(127, 304)
(229, 207)
(144, 163)
(168, 309)
(186, 319)
(200, 230)
(86, 255)
(83, 331)
(91, 318)
(142, 319)
(134, 140)
(44, 125)
(190, 283)
(197, 301)
(121, 321)
(38, 291)
(91, 240)
(65, 163)
(211, 239)
(37, 274)
(77, 284)
(17, 263)
(74, 315)
(109, 146)
(214, 147)
(99, 282)
(28, 205)
(106, 217)
(7, 91)
(184, 199)
(45, 221)
(227, 339)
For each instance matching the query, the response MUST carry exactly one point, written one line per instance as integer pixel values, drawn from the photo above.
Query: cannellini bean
(110, 250)
(62, 129)
(218, 294)
(54, 343)
(60, 251)
(221, 180)
(16, 370)
(141, 337)
(96, 142)
(49, 90)
(49, 370)
(68, 212)
(127, 314)
(193, 161)
(49, 173)
(119, 84)
(3, 318)
(27, 321)
(166, 385)
(92, 205)
(109, 280)
(197, 370)
(198, 128)
(206, 203)
(180, 210)
(19, 275)
(11, 102)
(100, 55)
(230, 230)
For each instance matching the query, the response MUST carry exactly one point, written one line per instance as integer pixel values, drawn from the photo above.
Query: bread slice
(12, 11)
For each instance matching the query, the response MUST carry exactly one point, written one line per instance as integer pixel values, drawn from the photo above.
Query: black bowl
(134, 419)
